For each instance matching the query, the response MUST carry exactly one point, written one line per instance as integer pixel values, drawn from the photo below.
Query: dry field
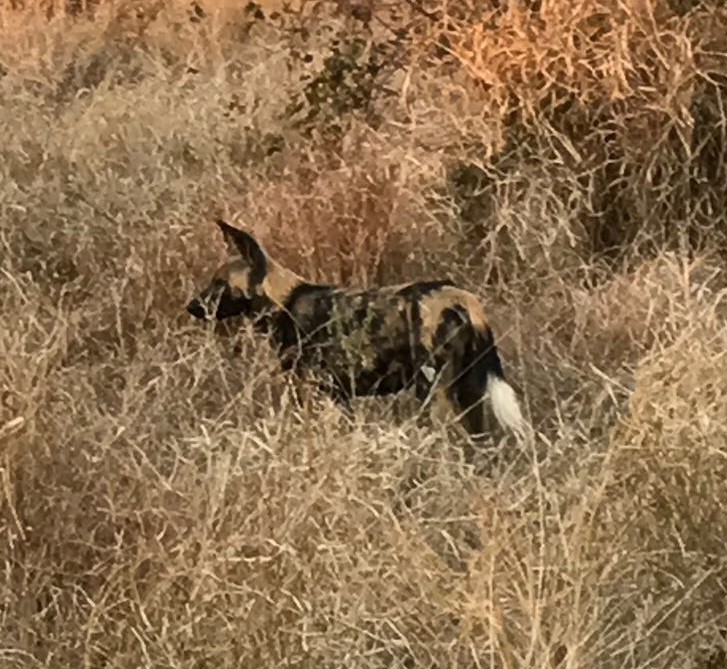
(163, 500)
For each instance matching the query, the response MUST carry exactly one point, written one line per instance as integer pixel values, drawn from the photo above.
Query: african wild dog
(430, 336)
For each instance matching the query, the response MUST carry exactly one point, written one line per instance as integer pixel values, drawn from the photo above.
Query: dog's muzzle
(198, 310)
(205, 306)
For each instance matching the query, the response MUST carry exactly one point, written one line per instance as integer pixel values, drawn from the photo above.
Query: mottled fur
(429, 336)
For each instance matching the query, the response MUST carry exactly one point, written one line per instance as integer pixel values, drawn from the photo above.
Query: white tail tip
(505, 405)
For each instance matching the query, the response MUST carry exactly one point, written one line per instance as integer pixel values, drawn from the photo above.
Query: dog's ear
(244, 244)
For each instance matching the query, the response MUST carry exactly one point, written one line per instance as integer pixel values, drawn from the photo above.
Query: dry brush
(167, 500)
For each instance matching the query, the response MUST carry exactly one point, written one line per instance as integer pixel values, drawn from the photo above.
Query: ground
(164, 500)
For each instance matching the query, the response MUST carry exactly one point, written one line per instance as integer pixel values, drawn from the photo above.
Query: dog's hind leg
(469, 395)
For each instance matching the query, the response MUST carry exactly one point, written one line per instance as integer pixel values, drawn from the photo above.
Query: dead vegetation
(165, 501)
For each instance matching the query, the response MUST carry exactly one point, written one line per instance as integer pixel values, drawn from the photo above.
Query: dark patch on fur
(228, 305)
(472, 354)
(415, 291)
(361, 341)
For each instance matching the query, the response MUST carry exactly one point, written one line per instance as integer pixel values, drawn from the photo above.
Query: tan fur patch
(433, 305)
(279, 283)
(236, 273)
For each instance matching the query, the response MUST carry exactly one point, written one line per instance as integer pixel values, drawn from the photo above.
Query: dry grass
(164, 501)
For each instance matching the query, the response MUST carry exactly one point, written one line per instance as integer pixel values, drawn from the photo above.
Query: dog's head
(236, 288)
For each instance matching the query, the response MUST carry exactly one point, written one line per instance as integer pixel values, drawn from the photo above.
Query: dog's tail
(505, 405)
(503, 399)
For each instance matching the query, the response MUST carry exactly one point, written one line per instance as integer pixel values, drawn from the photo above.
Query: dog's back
(371, 342)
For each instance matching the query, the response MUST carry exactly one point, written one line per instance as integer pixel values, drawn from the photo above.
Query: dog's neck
(279, 283)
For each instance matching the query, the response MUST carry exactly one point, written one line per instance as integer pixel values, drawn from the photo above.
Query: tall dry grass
(167, 499)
